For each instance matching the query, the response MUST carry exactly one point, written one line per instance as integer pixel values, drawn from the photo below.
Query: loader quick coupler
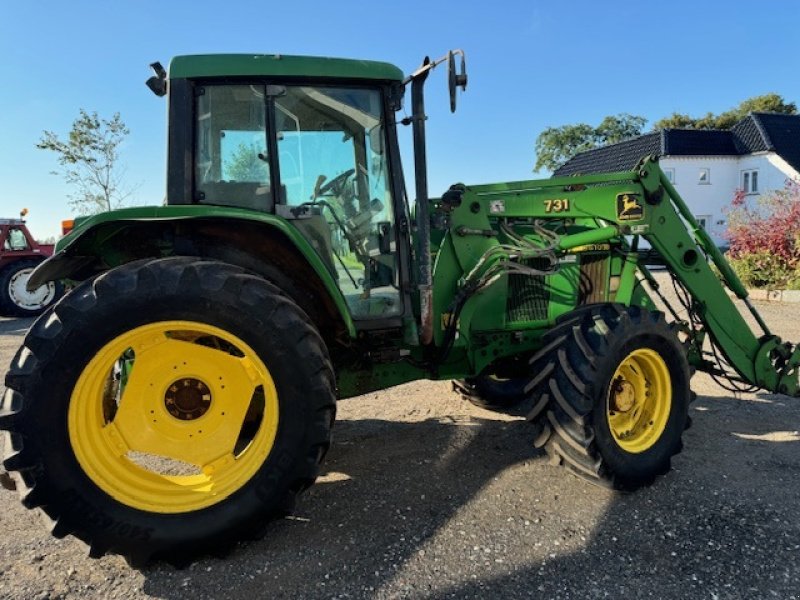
(777, 366)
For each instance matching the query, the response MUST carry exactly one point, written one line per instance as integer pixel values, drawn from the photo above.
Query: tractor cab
(319, 151)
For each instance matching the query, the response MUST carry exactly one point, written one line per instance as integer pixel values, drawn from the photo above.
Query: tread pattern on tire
(564, 398)
(23, 399)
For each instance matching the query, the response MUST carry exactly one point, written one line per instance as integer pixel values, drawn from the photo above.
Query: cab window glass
(231, 159)
(333, 164)
(16, 240)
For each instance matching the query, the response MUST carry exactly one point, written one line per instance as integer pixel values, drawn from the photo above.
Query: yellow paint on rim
(134, 444)
(639, 400)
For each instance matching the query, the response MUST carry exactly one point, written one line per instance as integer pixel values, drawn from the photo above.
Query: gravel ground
(426, 496)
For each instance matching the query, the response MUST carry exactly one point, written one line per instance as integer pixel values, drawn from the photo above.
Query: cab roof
(280, 65)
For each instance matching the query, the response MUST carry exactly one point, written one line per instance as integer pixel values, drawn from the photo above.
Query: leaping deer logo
(628, 207)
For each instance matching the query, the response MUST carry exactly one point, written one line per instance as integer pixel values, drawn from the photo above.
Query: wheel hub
(623, 395)
(20, 295)
(187, 399)
(639, 400)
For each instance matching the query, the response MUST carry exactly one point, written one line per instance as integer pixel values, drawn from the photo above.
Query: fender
(112, 238)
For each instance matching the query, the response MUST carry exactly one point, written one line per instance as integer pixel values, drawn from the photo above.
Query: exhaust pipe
(423, 209)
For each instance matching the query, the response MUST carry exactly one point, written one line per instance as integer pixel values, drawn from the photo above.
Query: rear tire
(611, 395)
(204, 313)
(16, 300)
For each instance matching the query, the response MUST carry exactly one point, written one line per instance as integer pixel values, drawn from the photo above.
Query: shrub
(761, 269)
(764, 237)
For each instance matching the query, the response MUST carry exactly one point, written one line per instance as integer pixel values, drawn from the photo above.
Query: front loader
(182, 394)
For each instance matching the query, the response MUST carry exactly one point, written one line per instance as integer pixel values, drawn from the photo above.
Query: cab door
(335, 186)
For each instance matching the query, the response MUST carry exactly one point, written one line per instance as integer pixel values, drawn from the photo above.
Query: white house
(708, 167)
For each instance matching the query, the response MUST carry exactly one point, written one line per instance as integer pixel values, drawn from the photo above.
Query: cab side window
(231, 160)
(16, 240)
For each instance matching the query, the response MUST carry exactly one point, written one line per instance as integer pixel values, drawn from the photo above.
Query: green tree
(88, 160)
(556, 145)
(246, 165)
(729, 118)
(616, 128)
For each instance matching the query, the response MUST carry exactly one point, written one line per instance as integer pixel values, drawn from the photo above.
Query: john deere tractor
(183, 393)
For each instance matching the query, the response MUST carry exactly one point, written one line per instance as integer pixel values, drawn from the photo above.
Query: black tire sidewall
(636, 466)
(94, 511)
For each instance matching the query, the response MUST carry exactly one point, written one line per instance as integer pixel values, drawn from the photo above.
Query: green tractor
(182, 394)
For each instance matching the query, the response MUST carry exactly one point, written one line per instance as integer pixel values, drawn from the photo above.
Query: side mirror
(158, 82)
(456, 80)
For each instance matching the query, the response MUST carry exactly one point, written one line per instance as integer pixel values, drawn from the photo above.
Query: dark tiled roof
(622, 156)
(783, 135)
(749, 136)
(698, 142)
(755, 133)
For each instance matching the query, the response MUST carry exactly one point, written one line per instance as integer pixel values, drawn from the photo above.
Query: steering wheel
(335, 186)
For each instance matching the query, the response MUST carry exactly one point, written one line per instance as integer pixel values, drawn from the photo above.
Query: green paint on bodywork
(626, 265)
(82, 235)
(594, 210)
(593, 218)
(279, 65)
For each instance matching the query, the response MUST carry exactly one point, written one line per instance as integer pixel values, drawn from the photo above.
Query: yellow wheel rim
(173, 416)
(639, 400)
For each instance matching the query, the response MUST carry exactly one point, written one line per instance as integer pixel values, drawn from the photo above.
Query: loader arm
(761, 360)
(611, 207)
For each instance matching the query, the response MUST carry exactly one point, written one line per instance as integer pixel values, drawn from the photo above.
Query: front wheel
(492, 392)
(612, 394)
(16, 300)
(168, 409)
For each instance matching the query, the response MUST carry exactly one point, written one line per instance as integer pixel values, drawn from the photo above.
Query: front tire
(16, 300)
(168, 409)
(493, 393)
(611, 395)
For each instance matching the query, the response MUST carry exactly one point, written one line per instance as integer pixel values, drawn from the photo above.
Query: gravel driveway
(426, 496)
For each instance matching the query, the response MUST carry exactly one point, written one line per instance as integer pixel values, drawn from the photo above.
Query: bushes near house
(764, 237)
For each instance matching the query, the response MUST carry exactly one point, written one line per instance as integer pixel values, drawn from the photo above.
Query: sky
(531, 64)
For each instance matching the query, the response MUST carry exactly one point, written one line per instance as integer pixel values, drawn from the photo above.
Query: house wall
(712, 199)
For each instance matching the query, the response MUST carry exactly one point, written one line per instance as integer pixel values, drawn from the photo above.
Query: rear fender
(261, 243)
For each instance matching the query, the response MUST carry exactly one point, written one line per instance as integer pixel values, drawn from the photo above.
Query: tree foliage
(556, 145)
(729, 118)
(88, 160)
(246, 165)
(616, 128)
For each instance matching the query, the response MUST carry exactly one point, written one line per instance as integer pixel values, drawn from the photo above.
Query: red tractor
(19, 255)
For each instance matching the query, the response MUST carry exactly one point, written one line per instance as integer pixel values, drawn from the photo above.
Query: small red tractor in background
(20, 254)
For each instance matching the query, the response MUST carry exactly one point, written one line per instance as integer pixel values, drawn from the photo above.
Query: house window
(670, 173)
(750, 181)
(703, 220)
(704, 176)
